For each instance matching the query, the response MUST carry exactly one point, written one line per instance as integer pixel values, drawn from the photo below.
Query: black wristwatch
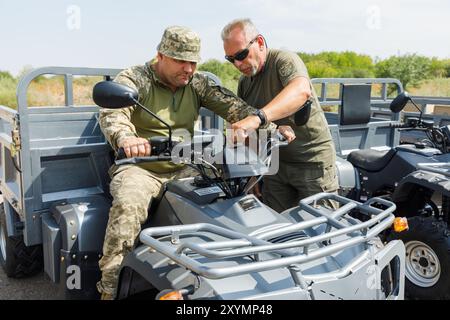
(261, 115)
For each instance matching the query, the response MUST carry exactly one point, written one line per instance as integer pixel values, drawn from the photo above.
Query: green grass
(48, 91)
(439, 87)
(8, 92)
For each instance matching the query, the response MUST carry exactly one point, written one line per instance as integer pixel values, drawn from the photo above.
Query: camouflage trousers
(296, 181)
(133, 189)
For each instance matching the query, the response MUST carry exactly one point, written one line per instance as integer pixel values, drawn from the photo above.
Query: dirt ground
(38, 287)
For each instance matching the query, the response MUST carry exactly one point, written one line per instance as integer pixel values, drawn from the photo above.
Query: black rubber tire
(18, 260)
(435, 235)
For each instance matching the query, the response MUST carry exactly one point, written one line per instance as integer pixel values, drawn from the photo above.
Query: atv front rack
(339, 224)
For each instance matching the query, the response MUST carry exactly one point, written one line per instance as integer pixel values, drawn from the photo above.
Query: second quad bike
(423, 196)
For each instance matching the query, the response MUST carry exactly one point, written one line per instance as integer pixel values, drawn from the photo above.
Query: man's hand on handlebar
(240, 135)
(250, 123)
(135, 147)
(287, 132)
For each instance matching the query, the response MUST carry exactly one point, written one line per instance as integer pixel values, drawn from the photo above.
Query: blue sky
(117, 34)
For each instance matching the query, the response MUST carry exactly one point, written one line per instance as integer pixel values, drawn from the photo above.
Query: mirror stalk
(154, 115)
(417, 107)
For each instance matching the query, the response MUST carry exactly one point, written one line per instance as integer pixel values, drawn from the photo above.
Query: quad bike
(207, 238)
(423, 196)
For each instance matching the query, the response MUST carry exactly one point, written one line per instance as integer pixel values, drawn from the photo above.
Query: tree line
(410, 69)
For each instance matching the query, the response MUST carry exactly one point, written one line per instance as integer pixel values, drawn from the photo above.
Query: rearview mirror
(108, 94)
(113, 95)
(400, 102)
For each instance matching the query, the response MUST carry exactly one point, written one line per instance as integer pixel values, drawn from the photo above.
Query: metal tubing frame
(244, 245)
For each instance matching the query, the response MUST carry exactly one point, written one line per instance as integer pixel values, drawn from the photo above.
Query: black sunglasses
(241, 55)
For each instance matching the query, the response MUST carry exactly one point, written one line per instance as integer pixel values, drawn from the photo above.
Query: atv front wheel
(427, 269)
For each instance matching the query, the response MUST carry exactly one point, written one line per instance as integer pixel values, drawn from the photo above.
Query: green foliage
(346, 64)
(446, 66)
(8, 85)
(321, 69)
(410, 69)
(6, 75)
(226, 72)
(322, 65)
(437, 68)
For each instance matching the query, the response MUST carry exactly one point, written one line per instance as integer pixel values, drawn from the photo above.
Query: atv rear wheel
(17, 260)
(427, 269)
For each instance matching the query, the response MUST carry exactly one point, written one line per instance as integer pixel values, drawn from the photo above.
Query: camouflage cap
(180, 43)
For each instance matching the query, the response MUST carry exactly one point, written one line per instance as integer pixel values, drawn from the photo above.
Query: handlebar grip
(399, 126)
(121, 154)
(282, 141)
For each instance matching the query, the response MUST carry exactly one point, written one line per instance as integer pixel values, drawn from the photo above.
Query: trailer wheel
(427, 246)
(17, 260)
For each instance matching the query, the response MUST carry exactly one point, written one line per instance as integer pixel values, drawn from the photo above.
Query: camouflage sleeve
(222, 101)
(116, 123)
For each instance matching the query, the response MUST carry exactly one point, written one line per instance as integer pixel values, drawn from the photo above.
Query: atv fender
(420, 178)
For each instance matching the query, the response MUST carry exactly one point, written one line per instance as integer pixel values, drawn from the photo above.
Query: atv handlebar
(161, 151)
(137, 160)
(438, 137)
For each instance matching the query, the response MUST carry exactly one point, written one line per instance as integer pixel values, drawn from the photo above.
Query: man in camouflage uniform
(172, 90)
(277, 83)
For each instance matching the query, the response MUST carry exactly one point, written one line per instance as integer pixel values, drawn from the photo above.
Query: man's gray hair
(246, 25)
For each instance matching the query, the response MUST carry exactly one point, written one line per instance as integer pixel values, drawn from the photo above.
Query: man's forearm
(115, 125)
(289, 100)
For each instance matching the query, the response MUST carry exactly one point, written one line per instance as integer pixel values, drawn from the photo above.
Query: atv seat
(371, 160)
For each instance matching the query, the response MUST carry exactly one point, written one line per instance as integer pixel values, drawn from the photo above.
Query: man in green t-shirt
(172, 90)
(278, 83)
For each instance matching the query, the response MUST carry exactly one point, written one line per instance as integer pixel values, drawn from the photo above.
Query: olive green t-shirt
(313, 143)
